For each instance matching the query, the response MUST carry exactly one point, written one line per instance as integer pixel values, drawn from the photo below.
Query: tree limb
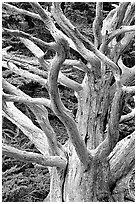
(130, 14)
(35, 134)
(33, 157)
(122, 158)
(115, 33)
(43, 121)
(26, 74)
(121, 13)
(22, 34)
(21, 11)
(127, 117)
(74, 35)
(56, 102)
(115, 114)
(62, 78)
(27, 100)
(97, 24)
(82, 42)
(42, 117)
(129, 89)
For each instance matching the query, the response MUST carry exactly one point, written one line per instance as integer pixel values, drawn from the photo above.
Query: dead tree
(92, 165)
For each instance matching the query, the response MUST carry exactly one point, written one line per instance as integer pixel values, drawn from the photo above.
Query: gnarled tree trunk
(92, 165)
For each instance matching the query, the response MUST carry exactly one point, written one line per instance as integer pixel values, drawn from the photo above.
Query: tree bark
(92, 166)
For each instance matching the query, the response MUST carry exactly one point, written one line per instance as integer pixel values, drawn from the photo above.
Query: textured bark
(92, 166)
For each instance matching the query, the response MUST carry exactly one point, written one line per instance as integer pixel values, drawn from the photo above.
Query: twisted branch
(56, 102)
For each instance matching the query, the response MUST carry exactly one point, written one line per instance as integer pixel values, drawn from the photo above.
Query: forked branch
(35, 134)
(82, 43)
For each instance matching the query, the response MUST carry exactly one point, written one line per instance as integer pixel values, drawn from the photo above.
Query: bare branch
(75, 35)
(129, 116)
(33, 157)
(22, 34)
(21, 11)
(129, 89)
(27, 100)
(57, 104)
(42, 116)
(121, 13)
(76, 64)
(121, 30)
(43, 121)
(97, 24)
(27, 74)
(123, 44)
(81, 42)
(115, 33)
(130, 14)
(128, 74)
(39, 54)
(115, 114)
(122, 158)
(69, 82)
(35, 134)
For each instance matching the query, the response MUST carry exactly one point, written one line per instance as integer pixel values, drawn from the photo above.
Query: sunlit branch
(41, 114)
(97, 24)
(35, 134)
(115, 33)
(32, 157)
(115, 114)
(121, 13)
(39, 54)
(21, 11)
(129, 89)
(122, 158)
(81, 42)
(130, 14)
(27, 100)
(128, 74)
(57, 104)
(74, 35)
(129, 116)
(76, 64)
(22, 34)
(26, 74)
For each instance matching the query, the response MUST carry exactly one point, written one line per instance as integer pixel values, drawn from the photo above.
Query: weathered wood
(92, 166)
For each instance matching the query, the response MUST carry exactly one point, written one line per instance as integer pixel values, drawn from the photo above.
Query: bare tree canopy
(94, 164)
